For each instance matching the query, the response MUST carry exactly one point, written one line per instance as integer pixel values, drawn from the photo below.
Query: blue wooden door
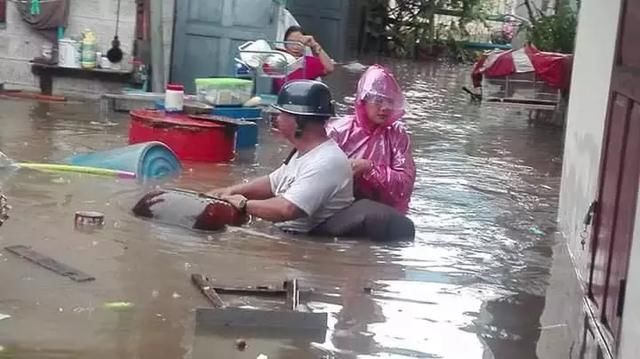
(208, 32)
(619, 177)
(326, 20)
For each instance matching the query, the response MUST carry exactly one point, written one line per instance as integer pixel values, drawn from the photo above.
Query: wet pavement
(471, 286)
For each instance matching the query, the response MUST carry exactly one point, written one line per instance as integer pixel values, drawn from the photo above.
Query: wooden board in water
(49, 263)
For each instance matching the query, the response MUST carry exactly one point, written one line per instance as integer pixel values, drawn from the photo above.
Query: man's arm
(276, 209)
(259, 188)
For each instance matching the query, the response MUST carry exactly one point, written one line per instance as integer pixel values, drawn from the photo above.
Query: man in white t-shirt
(315, 182)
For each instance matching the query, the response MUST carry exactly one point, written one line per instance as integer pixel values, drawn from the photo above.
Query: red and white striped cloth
(553, 68)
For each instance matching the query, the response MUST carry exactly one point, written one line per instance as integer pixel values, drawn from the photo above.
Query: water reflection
(471, 286)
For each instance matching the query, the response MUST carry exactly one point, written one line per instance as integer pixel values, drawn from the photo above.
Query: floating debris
(4, 316)
(175, 295)
(241, 344)
(262, 356)
(60, 180)
(536, 231)
(89, 218)
(82, 309)
(49, 263)
(118, 305)
(4, 208)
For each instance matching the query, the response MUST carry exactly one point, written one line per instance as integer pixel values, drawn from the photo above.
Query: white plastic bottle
(174, 98)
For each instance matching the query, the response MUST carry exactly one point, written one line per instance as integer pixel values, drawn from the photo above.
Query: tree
(556, 32)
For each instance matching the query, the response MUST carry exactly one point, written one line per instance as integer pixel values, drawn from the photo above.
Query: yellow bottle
(88, 57)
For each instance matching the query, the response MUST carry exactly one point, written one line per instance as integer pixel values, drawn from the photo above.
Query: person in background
(376, 141)
(315, 66)
(315, 182)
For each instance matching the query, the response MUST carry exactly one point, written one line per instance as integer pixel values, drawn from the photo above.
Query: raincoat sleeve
(394, 182)
(338, 129)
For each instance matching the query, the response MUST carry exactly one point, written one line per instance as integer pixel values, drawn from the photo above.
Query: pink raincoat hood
(388, 146)
(378, 82)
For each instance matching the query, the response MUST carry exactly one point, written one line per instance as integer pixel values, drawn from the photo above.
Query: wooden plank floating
(207, 289)
(258, 291)
(49, 263)
(237, 317)
(292, 299)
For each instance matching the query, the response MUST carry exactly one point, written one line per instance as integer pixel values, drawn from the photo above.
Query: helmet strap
(301, 124)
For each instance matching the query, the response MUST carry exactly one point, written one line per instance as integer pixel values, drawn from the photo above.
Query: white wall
(19, 43)
(595, 45)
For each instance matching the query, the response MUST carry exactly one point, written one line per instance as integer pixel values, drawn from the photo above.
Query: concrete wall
(168, 10)
(19, 44)
(595, 45)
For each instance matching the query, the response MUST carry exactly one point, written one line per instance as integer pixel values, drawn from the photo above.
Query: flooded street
(471, 286)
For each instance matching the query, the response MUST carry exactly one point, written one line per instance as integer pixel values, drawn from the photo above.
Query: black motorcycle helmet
(306, 99)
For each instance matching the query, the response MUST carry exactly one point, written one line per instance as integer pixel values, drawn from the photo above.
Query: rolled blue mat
(148, 160)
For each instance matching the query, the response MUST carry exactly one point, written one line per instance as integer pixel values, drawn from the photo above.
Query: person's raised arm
(316, 48)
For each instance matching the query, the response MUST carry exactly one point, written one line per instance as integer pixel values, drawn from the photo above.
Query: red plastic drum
(191, 140)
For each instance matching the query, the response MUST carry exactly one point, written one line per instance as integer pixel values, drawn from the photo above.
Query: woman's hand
(360, 166)
(313, 44)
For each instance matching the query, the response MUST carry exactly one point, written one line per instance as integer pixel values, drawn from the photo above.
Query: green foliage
(555, 33)
(408, 28)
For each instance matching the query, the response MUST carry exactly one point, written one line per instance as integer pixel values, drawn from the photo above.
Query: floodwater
(471, 286)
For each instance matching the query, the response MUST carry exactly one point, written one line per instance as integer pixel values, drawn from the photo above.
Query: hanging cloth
(45, 16)
(35, 7)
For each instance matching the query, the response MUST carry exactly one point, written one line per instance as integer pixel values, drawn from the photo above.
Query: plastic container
(68, 53)
(148, 160)
(191, 140)
(47, 51)
(224, 91)
(88, 57)
(174, 98)
(256, 52)
(247, 136)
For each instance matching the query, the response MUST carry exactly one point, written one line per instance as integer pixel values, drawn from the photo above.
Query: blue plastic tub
(148, 160)
(247, 136)
(246, 113)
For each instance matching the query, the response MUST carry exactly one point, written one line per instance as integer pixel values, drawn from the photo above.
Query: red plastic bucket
(191, 140)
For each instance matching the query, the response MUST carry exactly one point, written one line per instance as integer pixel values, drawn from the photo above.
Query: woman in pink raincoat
(376, 141)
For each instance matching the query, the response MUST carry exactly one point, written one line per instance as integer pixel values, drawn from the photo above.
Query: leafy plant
(419, 28)
(555, 33)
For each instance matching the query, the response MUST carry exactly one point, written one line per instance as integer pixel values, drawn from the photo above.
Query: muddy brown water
(471, 286)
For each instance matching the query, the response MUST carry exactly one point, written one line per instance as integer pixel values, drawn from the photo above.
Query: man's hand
(220, 192)
(361, 165)
(236, 200)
